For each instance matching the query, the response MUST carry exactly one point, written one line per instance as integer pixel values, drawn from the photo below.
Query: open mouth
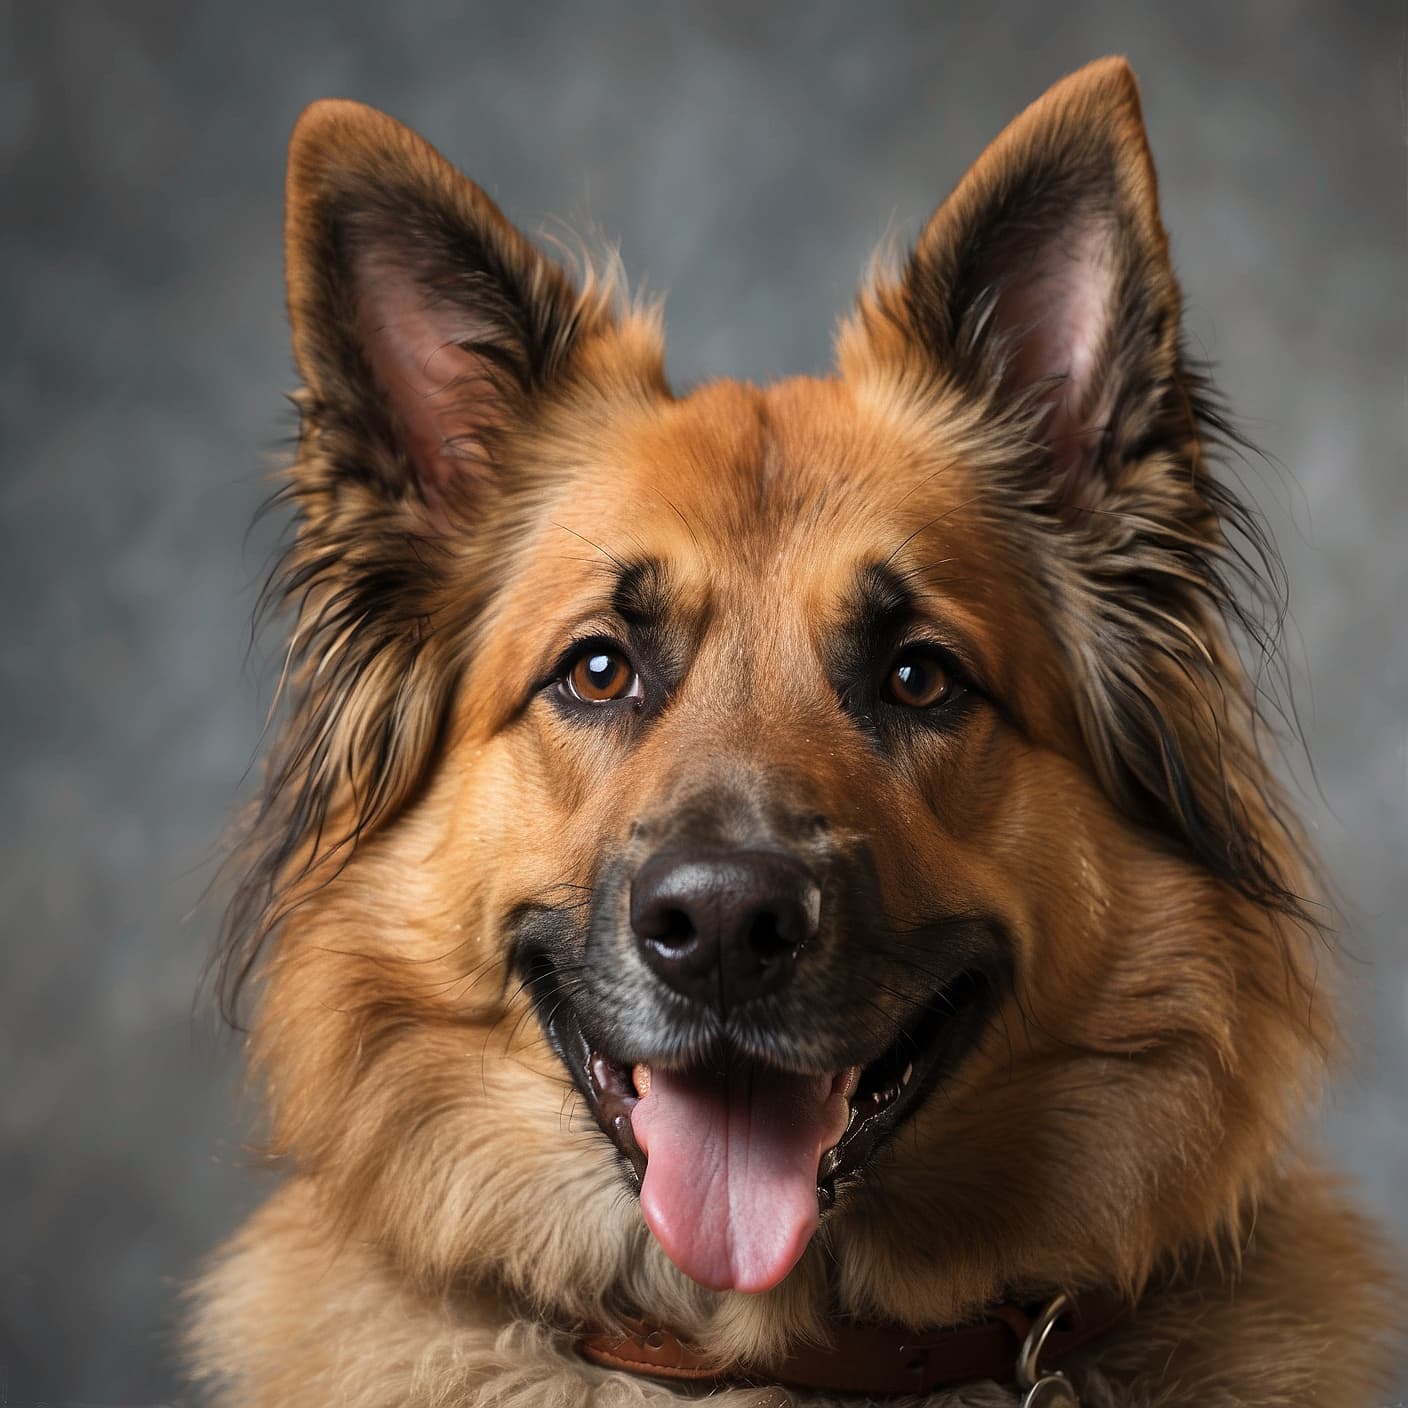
(737, 1159)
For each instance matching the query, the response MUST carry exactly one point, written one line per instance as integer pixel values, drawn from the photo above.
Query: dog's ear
(424, 324)
(1043, 282)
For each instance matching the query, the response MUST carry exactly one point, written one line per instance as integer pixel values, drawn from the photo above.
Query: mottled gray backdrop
(748, 157)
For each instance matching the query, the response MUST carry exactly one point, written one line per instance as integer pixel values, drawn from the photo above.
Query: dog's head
(820, 824)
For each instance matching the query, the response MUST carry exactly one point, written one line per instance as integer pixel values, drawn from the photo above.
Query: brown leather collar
(873, 1359)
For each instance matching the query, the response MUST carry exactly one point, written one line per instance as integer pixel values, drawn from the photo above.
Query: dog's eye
(601, 674)
(918, 679)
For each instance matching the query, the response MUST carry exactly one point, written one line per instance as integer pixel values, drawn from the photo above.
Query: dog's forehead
(789, 491)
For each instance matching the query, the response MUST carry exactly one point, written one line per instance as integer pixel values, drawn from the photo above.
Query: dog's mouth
(736, 1159)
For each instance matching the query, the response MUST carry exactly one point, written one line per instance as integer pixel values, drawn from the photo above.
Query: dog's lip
(895, 1085)
(881, 1093)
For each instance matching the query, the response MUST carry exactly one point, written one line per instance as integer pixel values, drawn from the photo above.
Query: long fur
(450, 1212)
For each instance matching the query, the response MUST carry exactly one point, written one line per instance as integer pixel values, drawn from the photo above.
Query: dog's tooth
(640, 1078)
(883, 1099)
(908, 1071)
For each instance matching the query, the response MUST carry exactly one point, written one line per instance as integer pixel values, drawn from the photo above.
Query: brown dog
(746, 866)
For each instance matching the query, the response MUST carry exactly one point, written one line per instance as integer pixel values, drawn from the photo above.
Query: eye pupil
(918, 681)
(601, 668)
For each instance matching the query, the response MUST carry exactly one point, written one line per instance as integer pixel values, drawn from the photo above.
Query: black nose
(723, 926)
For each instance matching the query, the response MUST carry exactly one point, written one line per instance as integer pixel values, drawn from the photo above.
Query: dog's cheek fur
(1124, 1105)
(408, 1078)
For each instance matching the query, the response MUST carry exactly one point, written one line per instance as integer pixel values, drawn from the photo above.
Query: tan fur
(451, 1210)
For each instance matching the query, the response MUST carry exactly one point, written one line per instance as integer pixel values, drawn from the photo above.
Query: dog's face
(819, 825)
(788, 818)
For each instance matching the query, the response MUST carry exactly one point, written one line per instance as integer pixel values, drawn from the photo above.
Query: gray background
(748, 159)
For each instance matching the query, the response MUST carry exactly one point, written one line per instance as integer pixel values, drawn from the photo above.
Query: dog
(776, 893)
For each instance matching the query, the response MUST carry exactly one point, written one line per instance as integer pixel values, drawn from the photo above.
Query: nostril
(766, 939)
(675, 929)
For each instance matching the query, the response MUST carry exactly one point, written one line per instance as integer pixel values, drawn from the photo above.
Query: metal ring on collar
(1030, 1355)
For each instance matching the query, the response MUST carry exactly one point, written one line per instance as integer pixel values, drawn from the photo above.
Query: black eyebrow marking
(878, 609)
(640, 597)
(883, 602)
(650, 610)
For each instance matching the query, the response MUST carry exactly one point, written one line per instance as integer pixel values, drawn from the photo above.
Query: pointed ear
(1045, 277)
(423, 322)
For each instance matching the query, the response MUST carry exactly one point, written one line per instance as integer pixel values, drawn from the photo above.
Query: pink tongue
(730, 1177)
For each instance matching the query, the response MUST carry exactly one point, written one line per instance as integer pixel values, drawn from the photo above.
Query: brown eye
(918, 680)
(601, 674)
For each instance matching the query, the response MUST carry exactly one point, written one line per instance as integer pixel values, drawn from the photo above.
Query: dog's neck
(1010, 1344)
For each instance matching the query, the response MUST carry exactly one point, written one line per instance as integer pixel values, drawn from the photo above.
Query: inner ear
(1054, 307)
(433, 361)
